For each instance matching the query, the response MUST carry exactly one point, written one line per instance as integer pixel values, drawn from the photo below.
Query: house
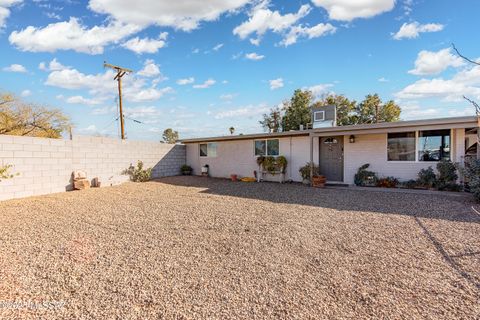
(400, 149)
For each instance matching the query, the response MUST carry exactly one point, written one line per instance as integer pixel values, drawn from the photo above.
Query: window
(267, 147)
(401, 146)
(330, 141)
(434, 145)
(319, 116)
(208, 150)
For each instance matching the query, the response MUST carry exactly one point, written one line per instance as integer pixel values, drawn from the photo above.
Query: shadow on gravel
(452, 208)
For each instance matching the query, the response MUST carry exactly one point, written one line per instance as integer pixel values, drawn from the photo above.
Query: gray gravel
(190, 247)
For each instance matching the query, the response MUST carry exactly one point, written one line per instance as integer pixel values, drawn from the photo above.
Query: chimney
(324, 116)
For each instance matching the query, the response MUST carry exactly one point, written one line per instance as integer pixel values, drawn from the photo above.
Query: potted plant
(186, 170)
(318, 181)
(305, 172)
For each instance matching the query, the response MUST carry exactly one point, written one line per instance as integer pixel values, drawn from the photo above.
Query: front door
(331, 158)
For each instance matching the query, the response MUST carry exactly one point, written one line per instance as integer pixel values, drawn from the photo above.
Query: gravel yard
(189, 247)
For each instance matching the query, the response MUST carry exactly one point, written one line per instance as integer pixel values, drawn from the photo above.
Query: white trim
(315, 116)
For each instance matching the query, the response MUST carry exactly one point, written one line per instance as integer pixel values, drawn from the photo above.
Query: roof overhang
(399, 126)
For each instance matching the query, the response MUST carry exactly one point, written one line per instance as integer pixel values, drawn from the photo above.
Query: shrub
(4, 172)
(139, 174)
(363, 177)
(427, 178)
(472, 177)
(305, 171)
(410, 184)
(447, 176)
(272, 164)
(387, 182)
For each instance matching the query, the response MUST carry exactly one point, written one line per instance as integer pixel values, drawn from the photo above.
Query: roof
(454, 122)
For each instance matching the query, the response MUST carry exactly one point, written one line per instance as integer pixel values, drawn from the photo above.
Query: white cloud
(147, 94)
(5, 11)
(262, 19)
(228, 96)
(53, 65)
(184, 15)
(320, 89)
(142, 112)
(464, 82)
(82, 100)
(146, 45)
(102, 85)
(412, 30)
(150, 69)
(217, 47)
(247, 111)
(90, 129)
(348, 10)
(383, 79)
(429, 63)
(15, 68)
(254, 56)
(70, 35)
(414, 111)
(103, 111)
(185, 81)
(276, 83)
(207, 84)
(319, 30)
(26, 93)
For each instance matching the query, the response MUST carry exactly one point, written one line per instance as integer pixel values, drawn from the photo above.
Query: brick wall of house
(45, 165)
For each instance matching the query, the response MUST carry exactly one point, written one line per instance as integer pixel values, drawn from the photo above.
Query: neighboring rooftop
(452, 122)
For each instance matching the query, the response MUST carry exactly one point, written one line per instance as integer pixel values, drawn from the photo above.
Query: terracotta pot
(234, 177)
(319, 181)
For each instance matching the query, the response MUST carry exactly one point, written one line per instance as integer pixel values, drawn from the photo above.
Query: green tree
(25, 119)
(297, 110)
(232, 130)
(170, 136)
(372, 110)
(345, 108)
(272, 122)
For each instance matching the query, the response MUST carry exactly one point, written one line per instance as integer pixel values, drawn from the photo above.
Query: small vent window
(330, 141)
(319, 116)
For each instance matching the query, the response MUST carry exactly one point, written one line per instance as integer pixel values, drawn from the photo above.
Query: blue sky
(204, 66)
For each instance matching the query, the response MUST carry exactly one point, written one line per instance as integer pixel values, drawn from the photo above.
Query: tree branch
(477, 107)
(463, 57)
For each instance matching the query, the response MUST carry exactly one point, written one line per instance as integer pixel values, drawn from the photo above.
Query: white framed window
(208, 149)
(319, 116)
(434, 145)
(267, 147)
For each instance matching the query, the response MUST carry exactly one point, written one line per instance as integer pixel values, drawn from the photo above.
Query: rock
(81, 184)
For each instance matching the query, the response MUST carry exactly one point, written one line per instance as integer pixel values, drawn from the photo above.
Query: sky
(203, 66)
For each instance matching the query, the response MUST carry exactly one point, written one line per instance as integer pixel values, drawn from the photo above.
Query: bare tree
(472, 102)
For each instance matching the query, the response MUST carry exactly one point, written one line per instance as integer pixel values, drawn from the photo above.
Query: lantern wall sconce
(352, 139)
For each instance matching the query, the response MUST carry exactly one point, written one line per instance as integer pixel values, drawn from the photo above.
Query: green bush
(472, 177)
(427, 178)
(363, 177)
(410, 184)
(447, 176)
(138, 174)
(305, 171)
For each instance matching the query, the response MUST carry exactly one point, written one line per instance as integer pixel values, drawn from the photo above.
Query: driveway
(191, 247)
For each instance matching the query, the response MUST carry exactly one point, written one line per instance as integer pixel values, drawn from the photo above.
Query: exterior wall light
(352, 139)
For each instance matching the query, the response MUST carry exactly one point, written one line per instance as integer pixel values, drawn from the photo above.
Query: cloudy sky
(203, 66)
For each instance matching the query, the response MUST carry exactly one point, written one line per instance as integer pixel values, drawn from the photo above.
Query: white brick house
(398, 149)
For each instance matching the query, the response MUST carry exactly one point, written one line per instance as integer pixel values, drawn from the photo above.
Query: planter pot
(306, 181)
(234, 177)
(187, 172)
(319, 181)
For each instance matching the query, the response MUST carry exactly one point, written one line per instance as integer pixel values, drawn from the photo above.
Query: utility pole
(120, 73)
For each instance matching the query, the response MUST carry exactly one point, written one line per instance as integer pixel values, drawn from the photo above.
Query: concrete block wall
(45, 165)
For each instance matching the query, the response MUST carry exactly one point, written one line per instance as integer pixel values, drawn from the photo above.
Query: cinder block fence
(45, 165)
